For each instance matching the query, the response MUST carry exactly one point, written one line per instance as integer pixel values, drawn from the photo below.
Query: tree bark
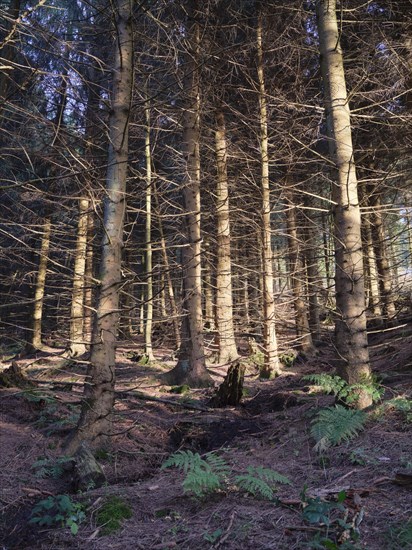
(149, 253)
(77, 345)
(96, 414)
(381, 255)
(36, 342)
(350, 328)
(88, 281)
(271, 366)
(227, 349)
(297, 277)
(191, 366)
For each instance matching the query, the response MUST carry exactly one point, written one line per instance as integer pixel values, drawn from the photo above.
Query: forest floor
(357, 494)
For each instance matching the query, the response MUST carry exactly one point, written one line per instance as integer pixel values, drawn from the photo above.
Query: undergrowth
(58, 510)
(333, 425)
(112, 513)
(348, 393)
(210, 474)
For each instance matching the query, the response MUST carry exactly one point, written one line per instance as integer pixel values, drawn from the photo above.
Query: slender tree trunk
(297, 277)
(271, 366)
(371, 274)
(149, 253)
(224, 300)
(170, 290)
(326, 256)
(89, 282)
(208, 289)
(96, 413)
(36, 342)
(191, 366)
(77, 345)
(350, 328)
(313, 280)
(381, 255)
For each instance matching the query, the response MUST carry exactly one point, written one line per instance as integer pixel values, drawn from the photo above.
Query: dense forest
(206, 274)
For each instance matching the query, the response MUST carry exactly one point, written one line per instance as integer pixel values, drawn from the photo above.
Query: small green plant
(402, 405)
(333, 425)
(348, 393)
(182, 390)
(202, 475)
(316, 510)
(209, 474)
(332, 518)
(58, 510)
(399, 537)
(112, 513)
(288, 357)
(360, 457)
(259, 481)
(213, 537)
(50, 467)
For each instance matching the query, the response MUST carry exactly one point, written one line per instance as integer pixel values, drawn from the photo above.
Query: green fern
(328, 383)
(259, 481)
(202, 475)
(349, 393)
(209, 474)
(336, 424)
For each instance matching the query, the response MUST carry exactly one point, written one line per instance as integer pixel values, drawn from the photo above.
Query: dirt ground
(271, 429)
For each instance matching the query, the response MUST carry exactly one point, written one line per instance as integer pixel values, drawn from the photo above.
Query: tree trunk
(149, 253)
(297, 277)
(191, 366)
(210, 317)
(36, 342)
(227, 349)
(371, 274)
(350, 328)
(77, 345)
(88, 281)
(313, 279)
(95, 420)
(381, 255)
(271, 366)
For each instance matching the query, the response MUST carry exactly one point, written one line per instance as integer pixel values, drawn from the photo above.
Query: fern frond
(184, 460)
(328, 383)
(254, 485)
(336, 424)
(257, 479)
(200, 482)
(268, 474)
(217, 464)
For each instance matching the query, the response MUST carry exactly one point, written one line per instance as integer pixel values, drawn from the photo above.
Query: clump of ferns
(212, 474)
(344, 392)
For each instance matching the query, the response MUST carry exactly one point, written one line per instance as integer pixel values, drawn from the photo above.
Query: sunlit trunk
(96, 413)
(36, 342)
(350, 328)
(271, 366)
(191, 366)
(149, 253)
(224, 300)
(77, 344)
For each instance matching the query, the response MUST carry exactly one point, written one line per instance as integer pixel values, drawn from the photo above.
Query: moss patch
(112, 513)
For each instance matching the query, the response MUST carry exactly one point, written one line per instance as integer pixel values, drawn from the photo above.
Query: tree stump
(88, 473)
(230, 391)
